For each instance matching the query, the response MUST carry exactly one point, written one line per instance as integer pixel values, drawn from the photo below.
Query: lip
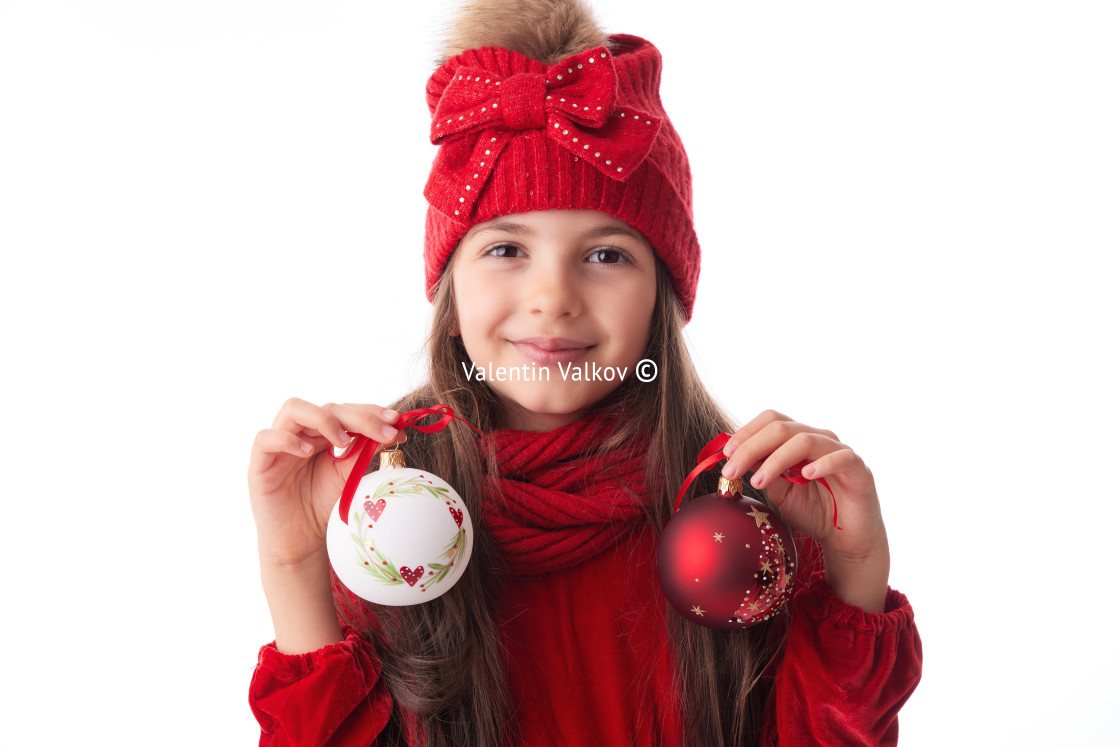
(551, 343)
(548, 350)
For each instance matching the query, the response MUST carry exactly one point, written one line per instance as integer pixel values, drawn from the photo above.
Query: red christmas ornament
(727, 560)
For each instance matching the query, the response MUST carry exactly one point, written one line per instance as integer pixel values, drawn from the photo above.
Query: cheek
(477, 312)
(636, 322)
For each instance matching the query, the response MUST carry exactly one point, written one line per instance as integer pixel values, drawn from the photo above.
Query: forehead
(586, 224)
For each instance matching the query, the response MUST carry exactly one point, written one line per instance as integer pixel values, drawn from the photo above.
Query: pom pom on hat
(546, 30)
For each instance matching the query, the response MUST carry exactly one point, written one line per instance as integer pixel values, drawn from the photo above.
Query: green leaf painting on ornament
(371, 560)
(452, 551)
(414, 484)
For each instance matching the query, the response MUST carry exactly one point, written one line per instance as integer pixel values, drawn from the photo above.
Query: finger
(757, 447)
(306, 419)
(270, 442)
(377, 417)
(334, 422)
(760, 421)
(738, 465)
(372, 421)
(387, 414)
(801, 447)
(840, 462)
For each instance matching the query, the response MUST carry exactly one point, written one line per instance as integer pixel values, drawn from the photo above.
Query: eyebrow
(520, 229)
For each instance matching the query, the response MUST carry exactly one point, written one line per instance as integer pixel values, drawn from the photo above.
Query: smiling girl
(559, 238)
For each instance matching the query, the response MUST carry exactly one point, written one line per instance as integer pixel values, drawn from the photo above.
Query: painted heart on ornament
(374, 509)
(458, 516)
(411, 577)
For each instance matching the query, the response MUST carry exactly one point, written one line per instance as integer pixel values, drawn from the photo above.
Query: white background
(909, 217)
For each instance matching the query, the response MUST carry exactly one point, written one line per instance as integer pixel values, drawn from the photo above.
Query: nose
(553, 291)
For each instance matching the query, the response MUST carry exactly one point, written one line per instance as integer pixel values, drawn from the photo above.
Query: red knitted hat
(589, 132)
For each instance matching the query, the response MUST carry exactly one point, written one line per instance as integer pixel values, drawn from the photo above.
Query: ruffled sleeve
(845, 673)
(330, 696)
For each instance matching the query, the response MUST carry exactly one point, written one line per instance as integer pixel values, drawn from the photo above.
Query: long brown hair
(443, 660)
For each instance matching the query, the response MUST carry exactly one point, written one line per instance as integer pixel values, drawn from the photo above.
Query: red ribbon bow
(479, 112)
(713, 452)
(365, 447)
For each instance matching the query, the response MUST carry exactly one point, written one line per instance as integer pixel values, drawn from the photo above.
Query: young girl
(560, 234)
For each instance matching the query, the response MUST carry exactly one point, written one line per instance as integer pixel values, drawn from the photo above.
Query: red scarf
(551, 507)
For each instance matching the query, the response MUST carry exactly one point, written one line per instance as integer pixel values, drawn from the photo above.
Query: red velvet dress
(590, 661)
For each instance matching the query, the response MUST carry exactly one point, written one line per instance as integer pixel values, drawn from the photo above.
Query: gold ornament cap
(391, 458)
(730, 487)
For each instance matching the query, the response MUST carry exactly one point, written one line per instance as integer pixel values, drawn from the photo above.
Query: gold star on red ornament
(696, 610)
(717, 537)
(765, 567)
(760, 517)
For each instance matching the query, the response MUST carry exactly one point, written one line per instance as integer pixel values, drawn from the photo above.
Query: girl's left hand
(773, 443)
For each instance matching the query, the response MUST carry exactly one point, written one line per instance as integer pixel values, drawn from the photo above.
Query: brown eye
(502, 251)
(607, 257)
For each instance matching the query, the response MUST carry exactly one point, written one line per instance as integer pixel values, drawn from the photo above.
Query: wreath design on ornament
(370, 559)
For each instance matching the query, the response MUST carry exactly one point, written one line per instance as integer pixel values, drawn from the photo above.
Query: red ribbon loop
(709, 455)
(366, 447)
(713, 452)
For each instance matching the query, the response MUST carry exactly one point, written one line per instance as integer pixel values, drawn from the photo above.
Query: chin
(552, 406)
(546, 405)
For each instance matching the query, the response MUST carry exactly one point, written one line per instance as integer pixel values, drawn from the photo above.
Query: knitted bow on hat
(573, 102)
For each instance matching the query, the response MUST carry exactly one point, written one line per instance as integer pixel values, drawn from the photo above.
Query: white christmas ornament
(408, 538)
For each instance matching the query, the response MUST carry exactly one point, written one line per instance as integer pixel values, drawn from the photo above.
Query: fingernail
(729, 448)
(808, 471)
(389, 432)
(390, 414)
(758, 479)
(305, 447)
(343, 437)
(728, 470)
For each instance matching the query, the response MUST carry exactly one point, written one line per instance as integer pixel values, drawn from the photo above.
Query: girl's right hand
(294, 483)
